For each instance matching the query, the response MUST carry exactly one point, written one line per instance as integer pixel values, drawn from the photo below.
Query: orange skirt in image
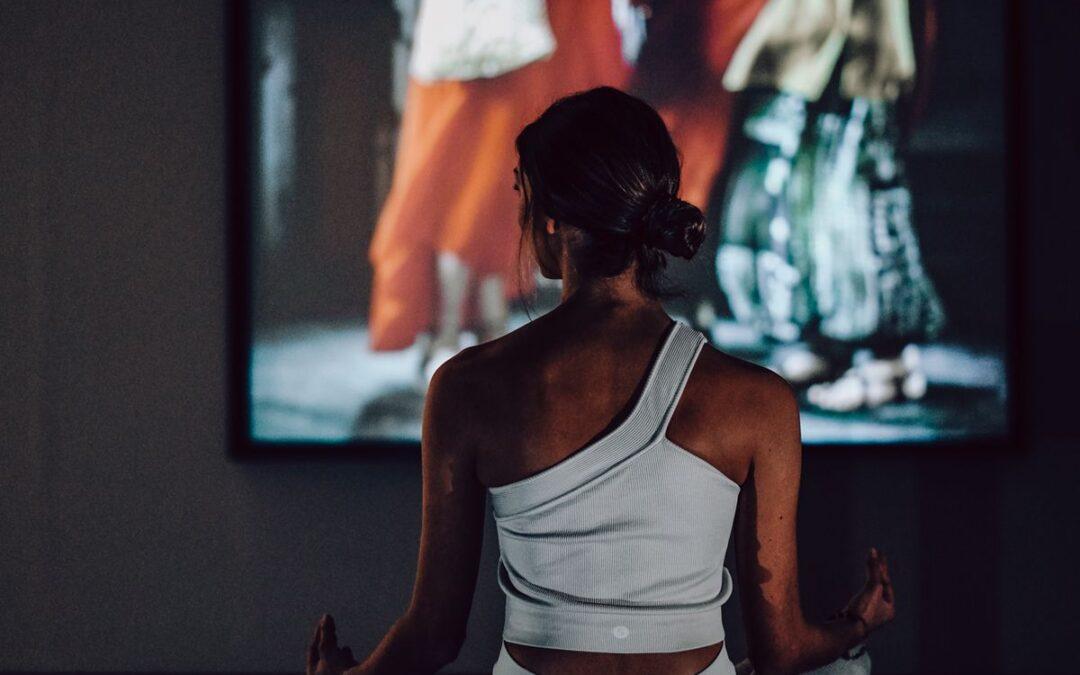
(452, 188)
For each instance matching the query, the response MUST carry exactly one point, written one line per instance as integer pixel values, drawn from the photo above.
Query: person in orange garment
(446, 245)
(688, 47)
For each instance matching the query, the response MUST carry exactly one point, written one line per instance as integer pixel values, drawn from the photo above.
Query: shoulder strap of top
(681, 359)
(649, 418)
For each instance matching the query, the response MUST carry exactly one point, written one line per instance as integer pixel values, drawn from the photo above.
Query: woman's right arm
(780, 639)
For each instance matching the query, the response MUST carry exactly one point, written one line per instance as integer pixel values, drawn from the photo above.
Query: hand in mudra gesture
(874, 603)
(324, 657)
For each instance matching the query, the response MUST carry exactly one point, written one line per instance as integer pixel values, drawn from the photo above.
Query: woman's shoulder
(478, 393)
(749, 400)
(478, 372)
(487, 360)
(744, 378)
(497, 359)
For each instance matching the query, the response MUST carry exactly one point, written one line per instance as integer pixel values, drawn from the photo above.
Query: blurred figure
(818, 242)
(446, 245)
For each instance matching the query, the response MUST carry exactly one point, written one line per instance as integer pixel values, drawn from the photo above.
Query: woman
(612, 552)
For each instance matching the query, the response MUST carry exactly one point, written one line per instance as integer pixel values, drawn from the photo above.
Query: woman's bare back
(561, 382)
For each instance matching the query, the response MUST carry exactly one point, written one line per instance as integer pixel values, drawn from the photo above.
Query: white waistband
(621, 632)
(612, 629)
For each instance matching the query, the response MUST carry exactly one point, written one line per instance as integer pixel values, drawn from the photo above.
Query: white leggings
(506, 665)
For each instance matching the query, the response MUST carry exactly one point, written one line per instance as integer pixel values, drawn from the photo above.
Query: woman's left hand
(324, 657)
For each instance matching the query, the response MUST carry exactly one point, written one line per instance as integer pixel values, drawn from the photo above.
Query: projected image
(850, 158)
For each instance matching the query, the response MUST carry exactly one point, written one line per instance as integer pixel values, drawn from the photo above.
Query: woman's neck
(614, 295)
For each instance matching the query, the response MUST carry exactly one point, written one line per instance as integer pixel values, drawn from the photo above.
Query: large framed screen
(854, 160)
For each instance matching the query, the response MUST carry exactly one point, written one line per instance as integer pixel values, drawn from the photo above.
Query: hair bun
(675, 226)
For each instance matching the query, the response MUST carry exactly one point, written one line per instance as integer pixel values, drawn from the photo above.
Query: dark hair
(602, 161)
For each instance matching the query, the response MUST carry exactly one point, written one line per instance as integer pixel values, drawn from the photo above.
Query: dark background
(129, 541)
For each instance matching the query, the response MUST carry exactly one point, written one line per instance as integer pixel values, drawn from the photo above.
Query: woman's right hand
(874, 603)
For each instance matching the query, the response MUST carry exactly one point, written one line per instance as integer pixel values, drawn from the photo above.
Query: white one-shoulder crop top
(620, 547)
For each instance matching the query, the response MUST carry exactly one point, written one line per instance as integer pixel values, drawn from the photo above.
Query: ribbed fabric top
(620, 547)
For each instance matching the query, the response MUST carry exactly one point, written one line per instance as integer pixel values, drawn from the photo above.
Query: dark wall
(128, 539)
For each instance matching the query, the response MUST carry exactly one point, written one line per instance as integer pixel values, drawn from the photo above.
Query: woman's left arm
(431, 632)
